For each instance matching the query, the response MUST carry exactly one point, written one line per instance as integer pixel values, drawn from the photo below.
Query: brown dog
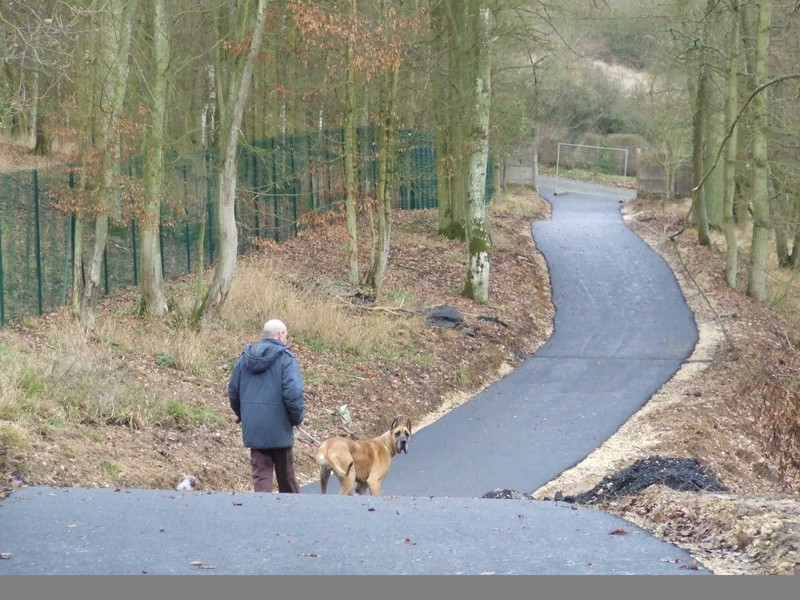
(362, 465)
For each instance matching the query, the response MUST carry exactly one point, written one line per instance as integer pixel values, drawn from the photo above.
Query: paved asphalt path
(622, 329)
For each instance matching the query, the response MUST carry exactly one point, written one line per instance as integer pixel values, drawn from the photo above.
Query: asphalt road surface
(622, 329)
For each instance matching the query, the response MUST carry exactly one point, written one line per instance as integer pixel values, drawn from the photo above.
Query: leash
(311, 437)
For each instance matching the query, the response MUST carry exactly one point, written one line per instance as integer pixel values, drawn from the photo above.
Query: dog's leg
(348, 480)
(374, 484)
(324, 475)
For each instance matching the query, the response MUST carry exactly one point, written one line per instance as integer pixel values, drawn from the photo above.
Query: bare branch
(727, 137)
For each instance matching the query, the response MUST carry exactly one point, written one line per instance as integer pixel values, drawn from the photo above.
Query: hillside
(177, 420)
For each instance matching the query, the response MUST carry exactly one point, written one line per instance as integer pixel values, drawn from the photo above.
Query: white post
(558, 161)
(626, 166)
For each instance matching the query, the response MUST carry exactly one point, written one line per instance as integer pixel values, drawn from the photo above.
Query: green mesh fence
(280, 180)
(34, 247)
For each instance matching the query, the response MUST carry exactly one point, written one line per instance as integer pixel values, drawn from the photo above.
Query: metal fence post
(209, 201)
(69, 247)
(2, 293)
(294, 186)
(105, 269)
(275, 231)
(135, 253)
(161, 244)
(38, 241)
(188, 250)
(256, 187)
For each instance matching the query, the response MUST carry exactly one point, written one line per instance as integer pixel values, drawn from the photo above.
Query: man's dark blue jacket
(266, 392)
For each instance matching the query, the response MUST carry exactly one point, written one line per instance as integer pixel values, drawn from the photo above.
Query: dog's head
(401, 434)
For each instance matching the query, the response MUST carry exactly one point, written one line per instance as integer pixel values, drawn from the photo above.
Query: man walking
(265, 391)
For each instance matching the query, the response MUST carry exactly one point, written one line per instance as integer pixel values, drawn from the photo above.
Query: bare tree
(248, 34)
(757, 282)
(701, 93)
(478, 239)
(37, 49)
(152, 277)
(114, 39)
(449, 23)
(387, 147)
(350, 142)
(729, 167)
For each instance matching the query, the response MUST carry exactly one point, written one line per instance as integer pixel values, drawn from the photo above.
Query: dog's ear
(408, 424)
(395, 421)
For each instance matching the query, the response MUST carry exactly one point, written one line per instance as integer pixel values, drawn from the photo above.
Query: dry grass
(70, 379)
(75, 378)
(263, 289)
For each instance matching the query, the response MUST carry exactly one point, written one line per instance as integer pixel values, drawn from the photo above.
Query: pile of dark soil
(682, 474)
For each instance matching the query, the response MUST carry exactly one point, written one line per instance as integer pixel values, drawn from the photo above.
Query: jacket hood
(258, 357)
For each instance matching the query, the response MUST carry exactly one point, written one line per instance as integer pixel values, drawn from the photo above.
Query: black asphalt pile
(682, 474)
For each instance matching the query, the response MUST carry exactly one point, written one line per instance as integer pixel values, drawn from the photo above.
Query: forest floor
(713, 410)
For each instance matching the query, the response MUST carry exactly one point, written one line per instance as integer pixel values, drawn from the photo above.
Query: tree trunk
(385, 162)
(699, 129)
(115, 30)
(350, 179)
(78, 280)
(152, 277)
(239, 89)
(450, 19)
(782, 215)
(41, 141)
(757, 283)
(714, 185)
(535, 157)
(729, 167)
(441, 93)
(794, 257)
(479, 242)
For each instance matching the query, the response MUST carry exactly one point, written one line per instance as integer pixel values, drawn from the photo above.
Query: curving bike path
(622, 329)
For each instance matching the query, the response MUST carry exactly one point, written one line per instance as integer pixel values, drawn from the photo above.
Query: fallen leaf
(619, 532)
